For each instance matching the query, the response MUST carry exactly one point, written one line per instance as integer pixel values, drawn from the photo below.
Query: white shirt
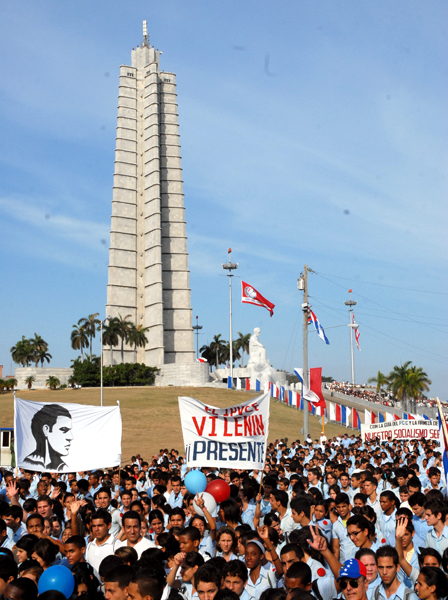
(95, 554)
(140, 547)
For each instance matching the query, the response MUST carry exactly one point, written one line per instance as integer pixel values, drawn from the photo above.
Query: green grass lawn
(151, 415)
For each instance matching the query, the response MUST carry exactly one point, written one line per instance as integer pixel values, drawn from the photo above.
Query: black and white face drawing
(51, 427)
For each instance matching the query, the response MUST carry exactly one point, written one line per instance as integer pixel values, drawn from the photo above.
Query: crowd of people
(363, 393)
(325, 519)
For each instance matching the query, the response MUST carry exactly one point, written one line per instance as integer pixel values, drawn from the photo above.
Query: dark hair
(131, 514)
(148, 586)
(30, 566)
(429, 552)
(129, 555)
(109, 563)
(228, 531)
(26, 586)
(155, 514)
(387, 552)
(208, 574)
(299, 570)
(417, 499)
(292, 548)
(102, 514)
(102, 490)
(52, 595)
(231, 510)
(194, 559)
(435, 576)
(270, 518)
(77, 540)
(37, 516)
(121, 574)
(8, 568)
(46, 550)
(192, 533)
(27, 543)
(301, 505)
(361, 522)
(14, 511)
(281, 496)
(436, 507)
(178, 511)
(226, 594)
(342, 498)
(236, 568)
(390, 496)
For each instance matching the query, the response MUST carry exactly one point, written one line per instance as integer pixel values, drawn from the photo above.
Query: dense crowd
(383, 398)
(325, 519)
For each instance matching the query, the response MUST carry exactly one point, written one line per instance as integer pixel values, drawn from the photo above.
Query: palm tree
(2, 385)
(90, 324)
(137, 337)
(38, 345)
(29, 381)
(235, 352)
(217, 347)
(11, 383)
(208, 354)
(72, 380)
(52, 382)
(408, 382)
(111, 335)
(42, 355)
(79, 339)
(22, 352)
(381, 381)
(243, 345)
(124, 327)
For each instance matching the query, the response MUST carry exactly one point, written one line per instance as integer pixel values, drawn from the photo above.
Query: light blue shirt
(437, 543)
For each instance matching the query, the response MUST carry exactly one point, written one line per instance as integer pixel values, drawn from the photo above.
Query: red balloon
(219, 489)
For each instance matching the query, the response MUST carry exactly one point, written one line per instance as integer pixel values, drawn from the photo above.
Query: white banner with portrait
(66, 437)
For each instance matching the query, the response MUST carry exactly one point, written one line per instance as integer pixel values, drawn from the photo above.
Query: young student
(368, 558)
(103, 543)
(116, 582)
(176, 518)
(431, 584)
(132, 531)
(387, 561)
(75, 549)
(103, 500)
(417, 504)
(207, 581)
(343, 547)
(321, 518)
(300, 512)
(234, 577)
(5, 541)
(386, 521)
(298, 576)
(260, 578)
(407, 554)
(435, 515)
(188, 563)
(226, 543)
(144, 588)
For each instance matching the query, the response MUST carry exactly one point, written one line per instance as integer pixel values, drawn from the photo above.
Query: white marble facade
(148, 260)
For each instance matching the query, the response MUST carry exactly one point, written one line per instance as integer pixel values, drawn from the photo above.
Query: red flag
(355, 419)
(316, 387)
(338, 412)
(356, 333)
(251, 296)
(247, 384)
(373, 418)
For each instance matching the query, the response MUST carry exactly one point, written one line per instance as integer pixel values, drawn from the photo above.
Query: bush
(87, 373)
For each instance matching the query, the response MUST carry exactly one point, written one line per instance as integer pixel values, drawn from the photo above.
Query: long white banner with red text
(412, 429)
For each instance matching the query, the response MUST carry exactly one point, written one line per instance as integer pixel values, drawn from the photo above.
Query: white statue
(258, 363)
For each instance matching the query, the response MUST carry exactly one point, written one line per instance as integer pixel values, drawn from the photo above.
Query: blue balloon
(195, 482)
(57, 578)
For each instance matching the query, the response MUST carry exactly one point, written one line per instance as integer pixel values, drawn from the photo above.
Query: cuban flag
(251, 296)
(426, 418)
(320, 330)
(443, 442)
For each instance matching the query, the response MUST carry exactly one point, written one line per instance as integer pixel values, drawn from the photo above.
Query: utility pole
(351, 303)
(302, 284)
(197, 328)
(230, 266)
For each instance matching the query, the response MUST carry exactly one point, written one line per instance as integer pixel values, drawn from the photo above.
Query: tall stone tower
(148, 259)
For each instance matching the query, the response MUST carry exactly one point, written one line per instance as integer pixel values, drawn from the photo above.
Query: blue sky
(311, 132)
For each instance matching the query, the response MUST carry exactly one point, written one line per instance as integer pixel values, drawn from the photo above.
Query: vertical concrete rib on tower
(148, 263)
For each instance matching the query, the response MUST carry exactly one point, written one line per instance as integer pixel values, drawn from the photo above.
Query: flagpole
(229, 266)
(350, 303)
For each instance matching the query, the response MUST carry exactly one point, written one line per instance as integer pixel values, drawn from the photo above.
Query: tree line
(218, 351)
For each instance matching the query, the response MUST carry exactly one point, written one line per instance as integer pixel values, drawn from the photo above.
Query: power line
(393, 338)
(395, 287)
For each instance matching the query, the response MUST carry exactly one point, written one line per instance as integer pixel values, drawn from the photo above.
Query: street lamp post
(351, 303)
(101, 353)
(197, 328)
(230, 266)
(302, 284)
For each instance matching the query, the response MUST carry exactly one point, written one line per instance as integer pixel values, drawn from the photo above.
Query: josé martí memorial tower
(148, 274)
